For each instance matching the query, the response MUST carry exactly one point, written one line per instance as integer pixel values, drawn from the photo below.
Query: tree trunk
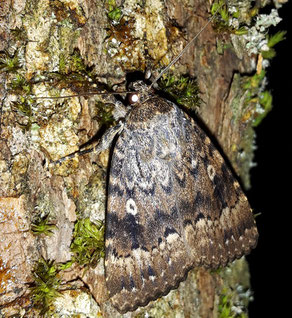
(53, 48)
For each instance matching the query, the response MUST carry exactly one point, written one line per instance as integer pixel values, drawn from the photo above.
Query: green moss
(272, 41)
(65, 266)
(258, 102)
(114, 12)
(23, 107)
(276, 38)
(220, 7)
(88, 242)
(221, 46)
(226, 308)
(77, 63)
(42, 226)
(9, 63)
(104, 115)
(46, 284)
(253, 82)
(235, 293)
(19, 34)
(62, 64)
(265, 101)
(19, 85)
(222, 22)
(72, 64)
(184, 90)
(74, 75)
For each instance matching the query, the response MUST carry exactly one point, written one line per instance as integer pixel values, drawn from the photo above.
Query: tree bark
(60, 47)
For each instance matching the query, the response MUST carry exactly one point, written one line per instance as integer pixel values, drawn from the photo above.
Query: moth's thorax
(148, 104)
(146, 111)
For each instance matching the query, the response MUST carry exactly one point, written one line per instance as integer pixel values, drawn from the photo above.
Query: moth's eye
(133, 98)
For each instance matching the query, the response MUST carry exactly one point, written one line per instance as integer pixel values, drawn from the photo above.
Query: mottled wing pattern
(172, 205)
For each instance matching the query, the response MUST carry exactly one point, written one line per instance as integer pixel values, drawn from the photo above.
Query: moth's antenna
(184, 49)
(82, 94)
(155, 80)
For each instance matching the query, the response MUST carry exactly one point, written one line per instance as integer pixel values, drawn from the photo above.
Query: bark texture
(51, 48)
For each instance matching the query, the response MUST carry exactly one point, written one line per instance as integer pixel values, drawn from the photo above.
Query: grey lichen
(235, 292)
(256, 40)
(47, 31)
(92, 199)
(76, 303)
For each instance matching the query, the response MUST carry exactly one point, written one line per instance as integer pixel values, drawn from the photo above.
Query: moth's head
(141, 92)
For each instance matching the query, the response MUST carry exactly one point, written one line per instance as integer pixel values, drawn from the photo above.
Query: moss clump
(73, 63)
(9, 63)
(265, 100)
(253, 82)
(272, 41)
(46, 285)
(42, 226)
(258, 102)
(23, 107)
(23, 110)
(20, 85)
(88, 242)
(184, 90)
(220, 7)
(104, 113)
(114, 12)
(19, 34)
(223, 19)
(226, 308)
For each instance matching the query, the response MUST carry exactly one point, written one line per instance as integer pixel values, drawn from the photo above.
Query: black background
(271, 191)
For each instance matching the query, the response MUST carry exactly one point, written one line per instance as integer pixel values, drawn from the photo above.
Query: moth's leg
(108, 137)
(104, 143)
(120, 110)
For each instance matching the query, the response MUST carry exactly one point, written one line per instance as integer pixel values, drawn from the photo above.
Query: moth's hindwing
(172, 205)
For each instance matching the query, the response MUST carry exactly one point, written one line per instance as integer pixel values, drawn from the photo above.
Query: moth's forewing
(172, 205)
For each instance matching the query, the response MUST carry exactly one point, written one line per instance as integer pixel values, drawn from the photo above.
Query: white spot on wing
(194, 163)
(131, 207)
(162, 246)
(171, 238)
(211, 172)
(152, 278)
(201, 223)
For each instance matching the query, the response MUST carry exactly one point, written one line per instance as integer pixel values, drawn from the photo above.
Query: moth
(173, 203)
